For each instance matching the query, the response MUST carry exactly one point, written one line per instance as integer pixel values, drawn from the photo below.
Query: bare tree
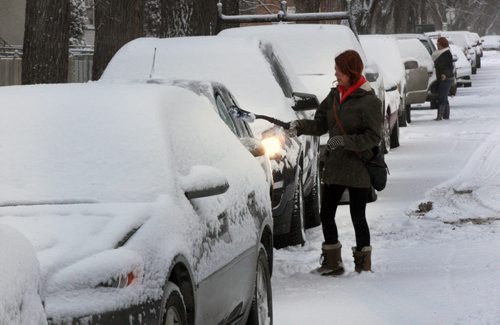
(116, 22)
(46, 42)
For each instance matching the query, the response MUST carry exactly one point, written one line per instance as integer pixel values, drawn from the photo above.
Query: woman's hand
(335, 142)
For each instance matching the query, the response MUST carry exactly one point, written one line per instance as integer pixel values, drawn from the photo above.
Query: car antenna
(153, 65)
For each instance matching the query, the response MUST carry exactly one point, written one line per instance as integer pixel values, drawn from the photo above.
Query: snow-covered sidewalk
(440, 266)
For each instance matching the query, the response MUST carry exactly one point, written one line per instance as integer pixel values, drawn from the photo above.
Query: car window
(278, 72)
(242, 126)
(224, 114)
(427, 46)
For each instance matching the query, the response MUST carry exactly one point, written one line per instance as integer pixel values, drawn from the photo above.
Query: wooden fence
(79, 68)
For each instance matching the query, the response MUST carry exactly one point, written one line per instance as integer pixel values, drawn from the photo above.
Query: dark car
(258, 79)
(142, 205)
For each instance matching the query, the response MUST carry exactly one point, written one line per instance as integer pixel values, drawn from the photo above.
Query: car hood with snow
(97, 176)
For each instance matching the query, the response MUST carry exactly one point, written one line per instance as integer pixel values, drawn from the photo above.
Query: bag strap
(339, 124)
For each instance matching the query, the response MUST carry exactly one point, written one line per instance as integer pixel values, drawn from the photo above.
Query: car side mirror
(203, 181)
(371, 76)
(254, 146)
(455, 58)
(411, 64)
(305, 102)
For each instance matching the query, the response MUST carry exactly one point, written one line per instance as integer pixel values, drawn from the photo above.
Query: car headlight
(273, 146)
(121, 281)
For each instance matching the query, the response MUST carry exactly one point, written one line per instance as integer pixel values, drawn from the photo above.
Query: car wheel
(395, 136)
(474, 70)
(408, 114)
(467, 85)
(386, 136)
(261, 311)
(478, 60)
(313, 203)
(297, 235)
(402, 115)
(174, 312)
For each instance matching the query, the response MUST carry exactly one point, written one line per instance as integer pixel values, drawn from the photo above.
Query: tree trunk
(229, 7)
(46, 42)
(116, 22)
(307, 6)
(188, 17)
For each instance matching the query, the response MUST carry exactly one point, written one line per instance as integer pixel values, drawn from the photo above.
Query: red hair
(443, 41)
(350, 64)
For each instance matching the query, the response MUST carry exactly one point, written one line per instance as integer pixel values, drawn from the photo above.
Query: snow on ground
(439, 267)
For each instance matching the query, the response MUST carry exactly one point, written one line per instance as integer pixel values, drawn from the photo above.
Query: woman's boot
(362, 259)
(441, 109)
(331, 260)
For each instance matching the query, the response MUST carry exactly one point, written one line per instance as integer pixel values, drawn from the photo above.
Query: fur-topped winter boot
(362, 259)
(331, 260)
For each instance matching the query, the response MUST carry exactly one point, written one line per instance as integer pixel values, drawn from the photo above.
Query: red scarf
(345, 93)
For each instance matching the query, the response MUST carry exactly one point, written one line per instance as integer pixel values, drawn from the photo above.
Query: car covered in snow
(491, 42)
(261, 82)
(463, 70)
(20, 283)
(311, 50)
(392, 68)
(141, 203)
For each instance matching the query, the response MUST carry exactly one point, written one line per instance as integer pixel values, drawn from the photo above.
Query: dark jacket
(361, 117)
(444, 65)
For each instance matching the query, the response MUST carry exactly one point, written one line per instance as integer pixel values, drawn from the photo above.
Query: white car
(263, 83)
(20, 282)
(414, 50)
(491, 42)
(141, 203)
(463, 70)
(392, 68)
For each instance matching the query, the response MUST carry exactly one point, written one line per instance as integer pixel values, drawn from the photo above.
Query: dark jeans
(329, 202)
(443, 104)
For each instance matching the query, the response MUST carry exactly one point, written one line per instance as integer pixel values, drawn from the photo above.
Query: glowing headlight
(272, 145)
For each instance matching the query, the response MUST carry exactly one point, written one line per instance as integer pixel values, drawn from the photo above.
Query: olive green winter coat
(361, 117)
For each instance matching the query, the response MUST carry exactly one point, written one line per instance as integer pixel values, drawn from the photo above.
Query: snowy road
(442, 267)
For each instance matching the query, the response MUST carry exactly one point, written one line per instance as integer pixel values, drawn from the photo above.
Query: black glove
(335, 142)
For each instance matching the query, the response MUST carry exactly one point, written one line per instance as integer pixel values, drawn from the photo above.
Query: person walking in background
(443, 63)
(351, 113)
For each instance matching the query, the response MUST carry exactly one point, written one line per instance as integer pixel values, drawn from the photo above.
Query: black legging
(329, 202)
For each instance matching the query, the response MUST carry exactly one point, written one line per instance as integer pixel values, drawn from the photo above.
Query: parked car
(20, 283)
(392, 67)
(491, 42)
(420, 72)
(424, 39)
(315, 68)
(262, 84)
(463, 70)
(142, 205)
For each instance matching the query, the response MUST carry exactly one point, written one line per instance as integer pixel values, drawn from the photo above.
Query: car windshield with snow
(258, 79)
(142, 205)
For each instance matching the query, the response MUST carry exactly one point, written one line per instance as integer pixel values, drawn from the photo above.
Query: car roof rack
(283, 16)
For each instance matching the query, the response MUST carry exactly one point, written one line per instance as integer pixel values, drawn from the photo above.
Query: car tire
(402, 115)
(297, 235)
(468, 84)
(474, 70)
(313, 203)
(395, 136)
(408, 114)
(174, 309)
(261, 311)
(478, 61)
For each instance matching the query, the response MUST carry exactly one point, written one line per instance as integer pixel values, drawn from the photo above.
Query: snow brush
(251, 117)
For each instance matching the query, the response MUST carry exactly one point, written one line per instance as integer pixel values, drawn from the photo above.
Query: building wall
(12, 21)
